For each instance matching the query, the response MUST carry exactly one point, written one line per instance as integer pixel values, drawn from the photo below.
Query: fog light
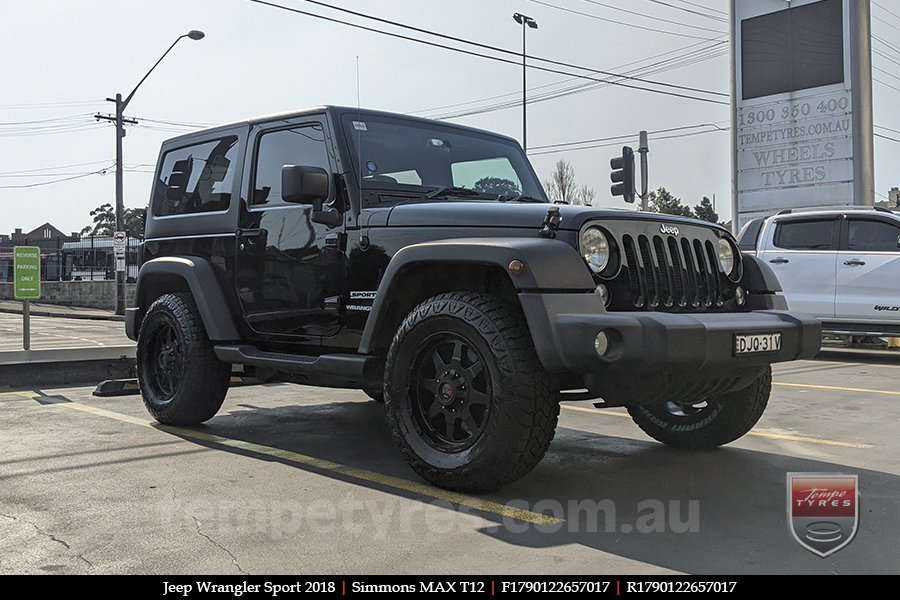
(603, 292)
(740, 296)
(601, 343)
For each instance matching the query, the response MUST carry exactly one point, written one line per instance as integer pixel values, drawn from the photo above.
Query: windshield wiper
(521, 198)
(451, 190)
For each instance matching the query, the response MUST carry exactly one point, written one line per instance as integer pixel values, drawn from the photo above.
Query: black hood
(509, 214)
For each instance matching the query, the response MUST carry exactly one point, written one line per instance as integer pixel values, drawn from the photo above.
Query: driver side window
(303, 145)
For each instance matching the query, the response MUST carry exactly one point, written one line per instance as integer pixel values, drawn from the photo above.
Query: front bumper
(564, 327)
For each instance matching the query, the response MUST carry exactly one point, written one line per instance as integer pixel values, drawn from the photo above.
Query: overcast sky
(62, 58)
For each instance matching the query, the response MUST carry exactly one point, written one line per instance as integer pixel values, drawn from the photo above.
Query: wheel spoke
(479, 398)
(456, 359)
(434, 409)
(468, 421)
(430, 384)
(440, 365)
(449, 427)
(473, 371)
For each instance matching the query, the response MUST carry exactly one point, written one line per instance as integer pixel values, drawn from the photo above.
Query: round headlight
(726, 257)
(595, 248)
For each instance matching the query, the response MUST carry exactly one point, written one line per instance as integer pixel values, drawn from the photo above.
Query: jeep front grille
(664, 272)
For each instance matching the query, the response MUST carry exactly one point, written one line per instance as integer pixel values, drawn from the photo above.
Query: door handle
(247, 237)
(780, 260)
(854, 262)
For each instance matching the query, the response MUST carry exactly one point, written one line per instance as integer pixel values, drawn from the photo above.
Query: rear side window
(197, 178)
(872, 236)
(749, 234)
(805, 235)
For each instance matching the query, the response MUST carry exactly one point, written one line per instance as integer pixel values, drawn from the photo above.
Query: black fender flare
(201, 279)
(549, 265)
(759, 278)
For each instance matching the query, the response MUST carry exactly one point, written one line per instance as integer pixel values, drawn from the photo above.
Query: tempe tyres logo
(823, 510)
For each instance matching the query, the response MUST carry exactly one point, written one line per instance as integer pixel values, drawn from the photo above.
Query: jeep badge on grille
(670, 229)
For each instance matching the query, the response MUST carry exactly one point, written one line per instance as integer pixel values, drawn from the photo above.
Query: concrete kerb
(65, 366)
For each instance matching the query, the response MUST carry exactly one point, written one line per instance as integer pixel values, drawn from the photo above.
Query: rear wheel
(182, 381)
(467, 400)
(707, 423)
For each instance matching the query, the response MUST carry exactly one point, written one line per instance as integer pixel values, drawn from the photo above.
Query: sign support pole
(26, 324)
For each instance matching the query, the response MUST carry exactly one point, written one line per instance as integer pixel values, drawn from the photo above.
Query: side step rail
(331, 370)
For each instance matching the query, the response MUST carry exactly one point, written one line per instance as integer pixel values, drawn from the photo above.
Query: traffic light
(622, 174)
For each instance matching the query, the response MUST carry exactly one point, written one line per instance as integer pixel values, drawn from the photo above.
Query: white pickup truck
(841, 265)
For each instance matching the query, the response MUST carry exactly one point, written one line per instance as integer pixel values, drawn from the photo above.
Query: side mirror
(304, 185)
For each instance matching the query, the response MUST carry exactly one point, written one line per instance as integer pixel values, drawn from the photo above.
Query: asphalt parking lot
(293, 479)
(60, 332)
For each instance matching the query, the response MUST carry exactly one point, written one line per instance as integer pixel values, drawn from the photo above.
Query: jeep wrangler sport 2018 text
(422, 263)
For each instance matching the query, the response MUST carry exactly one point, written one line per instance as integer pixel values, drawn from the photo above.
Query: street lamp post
(524, 21)
(120, 121)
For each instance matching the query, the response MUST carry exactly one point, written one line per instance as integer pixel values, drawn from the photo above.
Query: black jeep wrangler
(422, 263)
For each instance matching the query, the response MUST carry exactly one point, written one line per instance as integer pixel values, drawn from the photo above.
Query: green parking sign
(27, 272)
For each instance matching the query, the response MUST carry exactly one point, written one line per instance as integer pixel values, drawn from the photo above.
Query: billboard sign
(802, 108)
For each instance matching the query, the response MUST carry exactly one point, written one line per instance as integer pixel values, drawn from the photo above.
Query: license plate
(756, 343)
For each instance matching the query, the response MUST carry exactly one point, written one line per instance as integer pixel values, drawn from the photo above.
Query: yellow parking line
(762, 434)
(836, 388)
(326, 465)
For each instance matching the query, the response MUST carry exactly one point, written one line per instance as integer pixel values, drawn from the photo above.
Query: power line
(886, 137)
(630, 135)
(85, 164)
(599, 18)
(695, 12)
(476, 44)
(497, 58)
(43, 183)
(39, 121)
(895, 15)
(651, 17)
(887, 129)
(42, 105)
(885, 84)
(571, 90)
(640, 70)
(622, 138)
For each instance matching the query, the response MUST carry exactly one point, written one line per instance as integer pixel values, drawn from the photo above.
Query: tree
(561, 186)
(662, 201)
(134, 221)
(585, 195)
(705, 211)
(104, 217)
(497, 185)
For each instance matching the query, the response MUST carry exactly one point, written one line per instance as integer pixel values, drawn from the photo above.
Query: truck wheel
(182, 381)
(709, 424)
(467, 400)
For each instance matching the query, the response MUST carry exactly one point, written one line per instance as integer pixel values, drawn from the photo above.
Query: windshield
(407, 155)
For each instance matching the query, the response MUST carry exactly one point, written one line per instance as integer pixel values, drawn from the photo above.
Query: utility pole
(120, 121)
(524, 20)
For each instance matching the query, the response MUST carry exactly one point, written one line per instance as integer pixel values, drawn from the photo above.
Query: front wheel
(182, 381)
(467, 400)
(706, 424)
